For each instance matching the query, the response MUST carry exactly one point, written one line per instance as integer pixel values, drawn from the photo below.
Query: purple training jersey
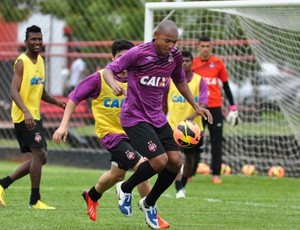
(147, 76)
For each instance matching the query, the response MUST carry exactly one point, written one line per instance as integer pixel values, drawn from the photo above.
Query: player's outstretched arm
(62, 131)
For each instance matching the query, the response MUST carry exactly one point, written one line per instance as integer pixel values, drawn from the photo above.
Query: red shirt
(213, 71)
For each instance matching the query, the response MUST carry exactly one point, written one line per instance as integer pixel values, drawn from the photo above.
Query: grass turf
(241, 202)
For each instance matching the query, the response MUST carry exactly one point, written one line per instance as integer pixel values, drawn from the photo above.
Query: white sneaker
(124, 200)
(150, 214)
(180, 194)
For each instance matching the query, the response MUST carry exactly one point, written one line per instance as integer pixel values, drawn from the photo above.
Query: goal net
(260, 44)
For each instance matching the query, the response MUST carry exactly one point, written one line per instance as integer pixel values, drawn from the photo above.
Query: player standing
(178, 109)
(214, 71)
(27, 90)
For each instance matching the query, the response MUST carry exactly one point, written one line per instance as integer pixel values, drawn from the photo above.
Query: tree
(15, 11)
(99, 19)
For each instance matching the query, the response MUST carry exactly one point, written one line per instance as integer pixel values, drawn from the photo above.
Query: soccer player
(27, 91)
(149, 67)
(214, 71)
(178, 109)
(106, 108)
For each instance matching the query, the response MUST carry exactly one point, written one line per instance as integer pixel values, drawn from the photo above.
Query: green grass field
(239, 203)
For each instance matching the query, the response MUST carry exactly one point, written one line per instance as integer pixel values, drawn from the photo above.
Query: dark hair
(32, 29)
(187, 54)
(204, 38)
(119, 45)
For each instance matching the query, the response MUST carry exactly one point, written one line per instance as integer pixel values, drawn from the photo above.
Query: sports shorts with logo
(30, 138)
(150, 141)
(124, 156)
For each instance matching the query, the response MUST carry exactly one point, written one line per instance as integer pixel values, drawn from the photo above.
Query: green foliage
(90, 19)
(99, 19)
(241, 202)
(15, 11)
(60, 12)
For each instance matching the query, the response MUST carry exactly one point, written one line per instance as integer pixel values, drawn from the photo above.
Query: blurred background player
(214, 71)
(178, 109)
(27, 91)
(106, 108)
(76, 74)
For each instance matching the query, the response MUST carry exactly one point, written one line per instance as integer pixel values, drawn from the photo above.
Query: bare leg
(21, 171)
(114, 175)
(39, 157)
(109, 179)
(188, 165)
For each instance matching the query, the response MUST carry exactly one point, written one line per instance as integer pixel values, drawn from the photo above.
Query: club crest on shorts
(37, 137)
(130, 155)
(152, 146)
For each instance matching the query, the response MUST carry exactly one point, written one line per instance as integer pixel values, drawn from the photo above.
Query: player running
(106, 109)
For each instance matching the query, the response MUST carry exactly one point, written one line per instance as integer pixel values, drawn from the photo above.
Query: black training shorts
(150, 141)
(124, 156)
(30, 138)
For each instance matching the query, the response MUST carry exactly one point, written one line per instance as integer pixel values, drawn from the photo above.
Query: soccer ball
(187, 134)
(276, 171)
(225, 169)
(203, 168)
(248, 170)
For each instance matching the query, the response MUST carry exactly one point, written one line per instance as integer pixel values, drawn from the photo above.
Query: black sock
(178, 185)
(145, 205)
(35, 195)
(143, 172)
(94, 195)
(164, 180)
(184, 181)
(6, 182)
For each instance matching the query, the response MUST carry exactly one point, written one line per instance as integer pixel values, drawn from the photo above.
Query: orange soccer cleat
(91, 206)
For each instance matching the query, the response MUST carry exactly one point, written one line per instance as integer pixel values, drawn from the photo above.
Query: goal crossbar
(150, 6)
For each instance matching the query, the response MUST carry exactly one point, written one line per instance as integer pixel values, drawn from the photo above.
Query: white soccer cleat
(124, 200)
(180, 194)
(150, 213)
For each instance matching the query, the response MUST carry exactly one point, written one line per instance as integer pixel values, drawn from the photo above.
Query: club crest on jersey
(153, 81)
(130, 155)
(170, 59)
(37, 137)
(152, 146)
(212, 65)
(149, 58)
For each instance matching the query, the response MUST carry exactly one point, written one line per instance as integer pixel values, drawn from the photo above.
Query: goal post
(260, 43)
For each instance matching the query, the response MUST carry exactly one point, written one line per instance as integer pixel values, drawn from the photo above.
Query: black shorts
(124, 156)
(150, 141)
(30, 138)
